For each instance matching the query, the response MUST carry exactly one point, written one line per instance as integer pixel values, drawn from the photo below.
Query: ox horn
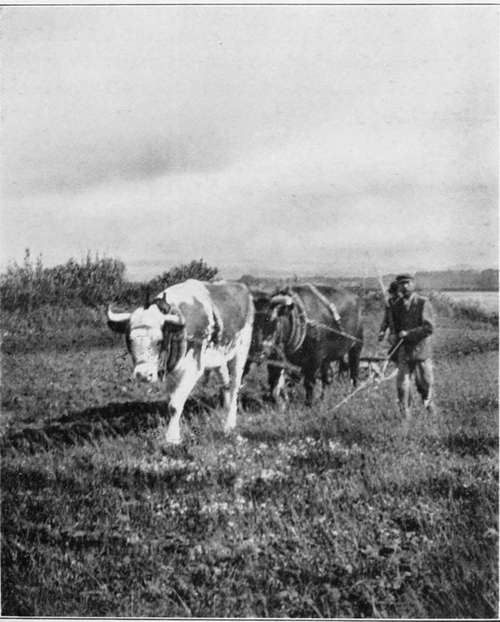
(282, 299)
(118, 321)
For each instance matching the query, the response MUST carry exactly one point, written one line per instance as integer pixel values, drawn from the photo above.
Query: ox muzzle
(146, 374)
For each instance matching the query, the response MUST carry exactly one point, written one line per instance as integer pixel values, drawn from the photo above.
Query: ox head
(146, 331)
(269, 312)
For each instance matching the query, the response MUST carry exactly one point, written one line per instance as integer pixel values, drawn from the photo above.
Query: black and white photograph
(249, 310)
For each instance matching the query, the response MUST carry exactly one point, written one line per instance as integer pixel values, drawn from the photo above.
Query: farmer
(413, 325)
(388, 322)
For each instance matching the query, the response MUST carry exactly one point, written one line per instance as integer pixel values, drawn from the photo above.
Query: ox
(305, 328)
(187, 330)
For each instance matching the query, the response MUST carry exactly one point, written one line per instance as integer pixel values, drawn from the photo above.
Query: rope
(333, 330)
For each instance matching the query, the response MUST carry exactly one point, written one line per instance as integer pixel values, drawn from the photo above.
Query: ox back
(349, 308)
(234, 306)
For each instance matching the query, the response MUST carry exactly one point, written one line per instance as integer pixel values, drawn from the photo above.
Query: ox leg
(309, 382)
(276, 378)
(236, 368)
(326, 376)
(185, 380)
(226, 386)
(354, 356)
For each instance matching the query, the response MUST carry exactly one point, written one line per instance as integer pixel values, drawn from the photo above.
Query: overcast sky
(303, 139)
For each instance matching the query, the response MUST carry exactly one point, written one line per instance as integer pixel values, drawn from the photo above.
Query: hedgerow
(92, 282)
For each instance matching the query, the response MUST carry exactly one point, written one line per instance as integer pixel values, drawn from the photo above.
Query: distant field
(304, 513)
(487, 300)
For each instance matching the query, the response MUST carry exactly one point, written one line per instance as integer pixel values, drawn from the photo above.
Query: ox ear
(173, 317)
(162, 304)
(118, 322)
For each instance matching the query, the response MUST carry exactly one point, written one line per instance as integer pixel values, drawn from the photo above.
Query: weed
(310, 512)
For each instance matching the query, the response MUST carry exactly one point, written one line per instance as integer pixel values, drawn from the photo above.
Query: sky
(305, 139)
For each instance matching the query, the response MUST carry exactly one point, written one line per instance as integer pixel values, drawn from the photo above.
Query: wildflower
(238, 483)
(270, 474)
(333, 445)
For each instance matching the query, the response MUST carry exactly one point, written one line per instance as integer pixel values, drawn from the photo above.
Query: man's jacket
(417, 318)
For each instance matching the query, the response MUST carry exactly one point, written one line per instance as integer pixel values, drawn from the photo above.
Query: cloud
(101, 93)
(259, 136)
(311, 204)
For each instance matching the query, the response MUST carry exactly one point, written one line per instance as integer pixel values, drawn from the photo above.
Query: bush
(133, 294)
(197, 269)
(89, 283)
(93, 282)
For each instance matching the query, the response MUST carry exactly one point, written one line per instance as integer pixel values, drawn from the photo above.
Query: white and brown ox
(190, 328)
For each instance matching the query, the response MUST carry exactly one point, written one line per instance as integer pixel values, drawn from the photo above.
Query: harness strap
(328, 303)
(298, 320)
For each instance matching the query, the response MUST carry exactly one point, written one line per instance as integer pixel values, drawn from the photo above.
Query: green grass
(304, 513)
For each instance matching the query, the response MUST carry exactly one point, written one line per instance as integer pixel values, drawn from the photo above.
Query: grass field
(303, 513)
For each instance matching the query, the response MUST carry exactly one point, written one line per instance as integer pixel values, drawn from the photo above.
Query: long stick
(390, 353)
(381, 281)
(370, 380)
(348, 397)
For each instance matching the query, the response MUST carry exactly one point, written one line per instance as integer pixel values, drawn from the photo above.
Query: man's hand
(402, 334)
(381, 335)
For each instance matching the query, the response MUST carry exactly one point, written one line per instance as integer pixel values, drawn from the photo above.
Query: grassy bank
(305, 513)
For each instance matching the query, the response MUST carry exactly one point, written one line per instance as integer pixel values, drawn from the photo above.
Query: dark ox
(306, 328)
(188, 329)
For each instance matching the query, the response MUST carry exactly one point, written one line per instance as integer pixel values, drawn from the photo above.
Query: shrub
(93, 282)
(197, 269)
(30, 285)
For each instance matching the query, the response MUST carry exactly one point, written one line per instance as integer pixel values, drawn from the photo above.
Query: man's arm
(385, 324)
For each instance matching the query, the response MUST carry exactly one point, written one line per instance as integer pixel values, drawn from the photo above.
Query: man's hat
(401, 278)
